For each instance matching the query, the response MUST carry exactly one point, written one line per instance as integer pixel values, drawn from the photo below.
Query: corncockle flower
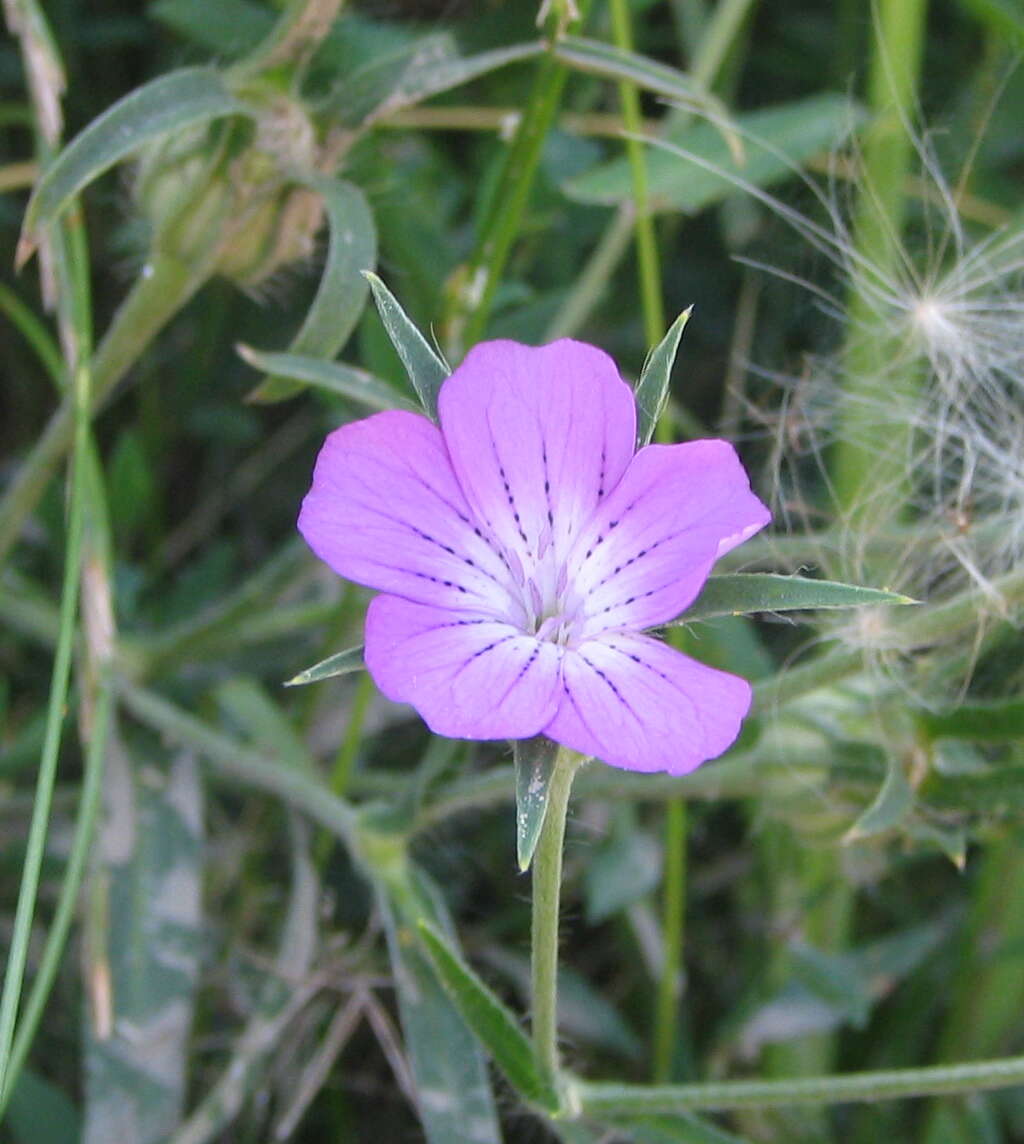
(522, 547)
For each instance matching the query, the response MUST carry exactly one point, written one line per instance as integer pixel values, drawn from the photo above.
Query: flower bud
(229, 188)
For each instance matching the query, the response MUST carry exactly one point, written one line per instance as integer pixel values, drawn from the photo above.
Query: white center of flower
(544, 602)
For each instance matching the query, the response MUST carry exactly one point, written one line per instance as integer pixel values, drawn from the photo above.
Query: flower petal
(469, 677)
(537, 436)
(638, 704)
(648, 549)
(386, 511)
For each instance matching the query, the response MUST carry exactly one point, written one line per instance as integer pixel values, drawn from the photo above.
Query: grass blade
(341, 296)
(181, 99)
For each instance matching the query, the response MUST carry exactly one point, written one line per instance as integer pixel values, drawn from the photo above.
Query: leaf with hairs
(180, 99)
(491, 1021)
(329, 376)
(743, 593)
(426, 370)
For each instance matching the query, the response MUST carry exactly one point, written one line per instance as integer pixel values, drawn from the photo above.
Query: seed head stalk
(861, 469)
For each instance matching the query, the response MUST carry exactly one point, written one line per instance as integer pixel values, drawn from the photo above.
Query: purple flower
(522, 547)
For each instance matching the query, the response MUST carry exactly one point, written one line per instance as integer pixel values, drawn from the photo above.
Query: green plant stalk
(94, 723)
(56, 938)
(547, 886)
(646, 245)
(666, 1013)
(35, 333)
(717, 38)
(609, 1099)
(503, 219)
(17, 956)
(859, 470)
(865, 481)
(164, 286)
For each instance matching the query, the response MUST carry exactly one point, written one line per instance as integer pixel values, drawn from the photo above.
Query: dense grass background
(228, 942)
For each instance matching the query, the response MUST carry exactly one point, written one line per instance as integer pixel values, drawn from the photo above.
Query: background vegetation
(213, 887)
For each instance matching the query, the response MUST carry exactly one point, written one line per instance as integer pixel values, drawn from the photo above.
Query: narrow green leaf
(890, 807)
(534, 761)
(180, 99)
(330, 376)
(997, 721)
(409, 74)
(455, 1101)
(653, 386)
(341, 296)
(341, 663)
(431, 72)
(742, 593)
(425, 368)
(695, 167)
(597, 58)
(496, 1027)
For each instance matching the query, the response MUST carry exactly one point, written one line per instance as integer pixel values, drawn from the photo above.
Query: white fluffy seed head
(951, 308)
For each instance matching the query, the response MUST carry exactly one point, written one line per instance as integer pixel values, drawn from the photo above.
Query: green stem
(56, 939)
(646, 245)
(599, 1099)
(547, 885)
(724, 25)
(666, 1017)
(164, 286)
(503, 219)
(15, 972)
(862, 470)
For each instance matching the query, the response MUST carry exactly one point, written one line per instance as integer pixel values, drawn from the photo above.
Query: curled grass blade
(341, 296)
(181, 99)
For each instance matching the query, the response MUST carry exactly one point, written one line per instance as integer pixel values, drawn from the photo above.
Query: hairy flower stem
(605, 1099)
(547, 885)
(163, 287)
(861, 470)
